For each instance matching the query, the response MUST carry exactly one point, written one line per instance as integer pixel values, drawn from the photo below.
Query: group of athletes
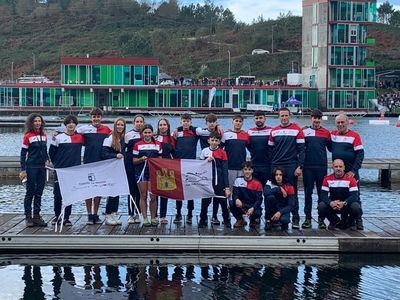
(279, 156)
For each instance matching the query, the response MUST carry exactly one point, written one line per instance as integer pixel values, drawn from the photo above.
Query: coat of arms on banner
(166, 180)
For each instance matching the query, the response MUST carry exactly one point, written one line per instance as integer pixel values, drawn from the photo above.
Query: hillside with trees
(190, 40)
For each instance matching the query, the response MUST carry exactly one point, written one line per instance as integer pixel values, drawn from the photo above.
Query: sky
(248, 10)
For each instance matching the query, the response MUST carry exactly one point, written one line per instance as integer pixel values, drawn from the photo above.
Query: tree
(169, 10)
(395, 18)
(385, 11)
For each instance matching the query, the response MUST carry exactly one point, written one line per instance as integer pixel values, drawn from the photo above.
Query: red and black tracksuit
(33, 160)
(344, 189)
(259, 151)
(317, 141)
(131, 138)
(65, 151)
(185, 148)
(287, 151)
(250, 194)
(221, 168)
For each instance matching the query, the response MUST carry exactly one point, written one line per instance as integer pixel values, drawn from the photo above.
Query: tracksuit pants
(272, 206)
(311, 177)
(36, 179)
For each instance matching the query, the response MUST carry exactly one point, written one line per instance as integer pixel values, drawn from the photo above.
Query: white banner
(196, 179)
(99, 179)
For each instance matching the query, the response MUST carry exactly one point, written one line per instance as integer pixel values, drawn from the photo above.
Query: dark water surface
(200, 277)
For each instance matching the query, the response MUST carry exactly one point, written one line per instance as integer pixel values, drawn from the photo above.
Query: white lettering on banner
(342, 139)
(285, 132)
(99, 179)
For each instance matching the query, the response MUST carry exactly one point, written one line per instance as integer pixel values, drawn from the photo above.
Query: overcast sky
(248, 10)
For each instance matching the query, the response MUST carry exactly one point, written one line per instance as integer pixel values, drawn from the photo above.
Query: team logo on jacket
(166, 180)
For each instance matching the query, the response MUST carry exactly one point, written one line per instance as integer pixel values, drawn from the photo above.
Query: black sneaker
(97, 220)
(67, 223)
(188, 219)
(227, 223)
(202, 224)
(178, 219)
(359, 224)
(38, 221)
(295, 224)
(268, 226)
(215, 221)
(89, 219)
(321, 224)
(306, 224)
(29, 221)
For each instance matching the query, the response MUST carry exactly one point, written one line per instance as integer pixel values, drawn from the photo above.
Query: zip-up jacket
(108, 151)
(203, 134)
(235, 144)
(249, 192)
(65, 150)
(167, 144)
(221, 164)
(344, 189)
(186, 143)
(151, 150)
(258, 147)
(287, 146)
(33, 150)
(94, 137)
(131, 138)
(285, 204)
(317, 141)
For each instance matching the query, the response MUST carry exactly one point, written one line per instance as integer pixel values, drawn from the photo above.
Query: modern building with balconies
(335, 56)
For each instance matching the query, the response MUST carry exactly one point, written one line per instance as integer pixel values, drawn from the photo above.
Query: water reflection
(205, 277)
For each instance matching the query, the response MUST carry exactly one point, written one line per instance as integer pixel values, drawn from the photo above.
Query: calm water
(209, 277)
(200, 277)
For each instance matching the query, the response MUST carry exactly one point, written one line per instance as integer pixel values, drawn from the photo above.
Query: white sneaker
(116, 218)
(131, 220)
(110, 220)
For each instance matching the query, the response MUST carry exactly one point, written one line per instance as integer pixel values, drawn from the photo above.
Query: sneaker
(67, 223)
(227, 223)
(146, 223)
(89, 219)
(215, 221)
(295, 224)
(202, 224)
(239, 223)
(97, 220)
(188, 219)
(154, 222)
(38, 221)
(321, 224)
(133, 219)
(110, 220)
(163, 221)
(268, 226)
(29, 221)
(306, 224)
(359, 224)
(116, 218)
(178, 219)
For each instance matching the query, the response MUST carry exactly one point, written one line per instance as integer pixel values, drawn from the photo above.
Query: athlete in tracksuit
(317, 141)
(65, 151)
(287, 151)
(33, 161)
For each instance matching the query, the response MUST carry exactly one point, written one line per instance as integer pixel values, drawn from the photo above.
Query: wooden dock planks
(381, 234)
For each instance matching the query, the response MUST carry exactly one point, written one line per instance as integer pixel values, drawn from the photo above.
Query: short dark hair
(186, 116)
(247, 164)
(214, 135)
(70, 118)
(258, 113)
(96, 111)
(211, 118)
(283, 109)
(316, 113)
(237, 116)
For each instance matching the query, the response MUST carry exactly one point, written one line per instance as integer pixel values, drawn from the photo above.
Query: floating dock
(381, 235)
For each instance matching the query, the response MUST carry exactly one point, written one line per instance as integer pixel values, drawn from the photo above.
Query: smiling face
(138, 123)
(214, 142)
(71, 127)
(163, 127)
(341, 124)
(120, 126)
(96, 120)
(315, 123)
(147, 135)
(247, 173)
(186, 123)
(37, 123)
